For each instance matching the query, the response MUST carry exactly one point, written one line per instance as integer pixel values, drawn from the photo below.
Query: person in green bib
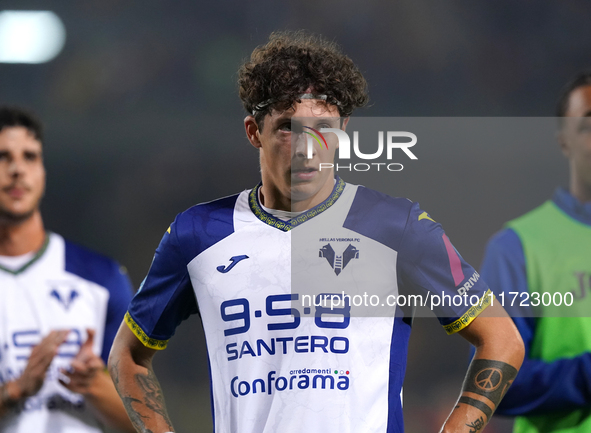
(546, 256)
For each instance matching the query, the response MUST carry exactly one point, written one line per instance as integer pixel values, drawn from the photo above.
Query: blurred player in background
(277, 369)
(60, 305)
(548, 250)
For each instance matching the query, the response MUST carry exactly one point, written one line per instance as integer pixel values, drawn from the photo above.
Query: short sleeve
(429, 264)
(108, 274)
(121, 292)
(165, 297)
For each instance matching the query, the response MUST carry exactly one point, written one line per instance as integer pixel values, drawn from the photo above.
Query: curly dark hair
(290, 64)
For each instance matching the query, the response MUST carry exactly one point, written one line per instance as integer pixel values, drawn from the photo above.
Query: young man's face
(22, 175)
(284, 157)
(576, 135)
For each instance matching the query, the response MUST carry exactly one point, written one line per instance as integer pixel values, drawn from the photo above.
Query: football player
(538, 256)
(60, 305)
(276, 368)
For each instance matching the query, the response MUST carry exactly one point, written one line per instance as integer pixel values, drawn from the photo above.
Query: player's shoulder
(91, 265)
(534, 216)
(379, 216)
(375, 201)
(202, 226)
(509, 240)
(377, 208)
(208, 216)
(502, 242)
(216, 209)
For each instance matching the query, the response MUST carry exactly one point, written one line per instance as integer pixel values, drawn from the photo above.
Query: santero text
(301, 344)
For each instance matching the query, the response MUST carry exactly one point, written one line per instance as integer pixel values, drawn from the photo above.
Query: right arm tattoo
(153, 400)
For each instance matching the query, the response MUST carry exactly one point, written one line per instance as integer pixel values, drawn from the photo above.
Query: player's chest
(34, 304)
(311, 258)
(31, 306)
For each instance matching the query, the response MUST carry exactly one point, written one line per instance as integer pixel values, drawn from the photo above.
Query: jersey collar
(267, 218)
(567, 203)
(36, 257)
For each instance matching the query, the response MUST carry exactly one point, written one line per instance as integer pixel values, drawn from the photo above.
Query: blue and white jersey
(64, 286)
(280, 363)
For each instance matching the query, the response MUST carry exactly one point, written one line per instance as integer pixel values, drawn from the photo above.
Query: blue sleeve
(107, 273)
(430, 265)
(166, 296)
(121, 292)
(540, 386)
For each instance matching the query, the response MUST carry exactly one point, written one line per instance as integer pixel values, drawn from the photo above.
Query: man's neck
(579, 189)
(273, 199)
(19, 239)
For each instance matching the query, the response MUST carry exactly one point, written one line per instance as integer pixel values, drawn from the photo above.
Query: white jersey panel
(276, 372)
(42, 298)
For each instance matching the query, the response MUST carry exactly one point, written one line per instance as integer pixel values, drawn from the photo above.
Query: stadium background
(143, 120)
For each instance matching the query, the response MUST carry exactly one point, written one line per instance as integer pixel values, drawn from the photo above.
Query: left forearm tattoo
(490, 379)
(476, 425)
(478, 405)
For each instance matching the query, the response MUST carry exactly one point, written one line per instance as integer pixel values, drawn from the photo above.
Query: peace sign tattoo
(490, 379)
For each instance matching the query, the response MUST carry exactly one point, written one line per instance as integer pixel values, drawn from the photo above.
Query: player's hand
(84, 368)
(31, 381)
